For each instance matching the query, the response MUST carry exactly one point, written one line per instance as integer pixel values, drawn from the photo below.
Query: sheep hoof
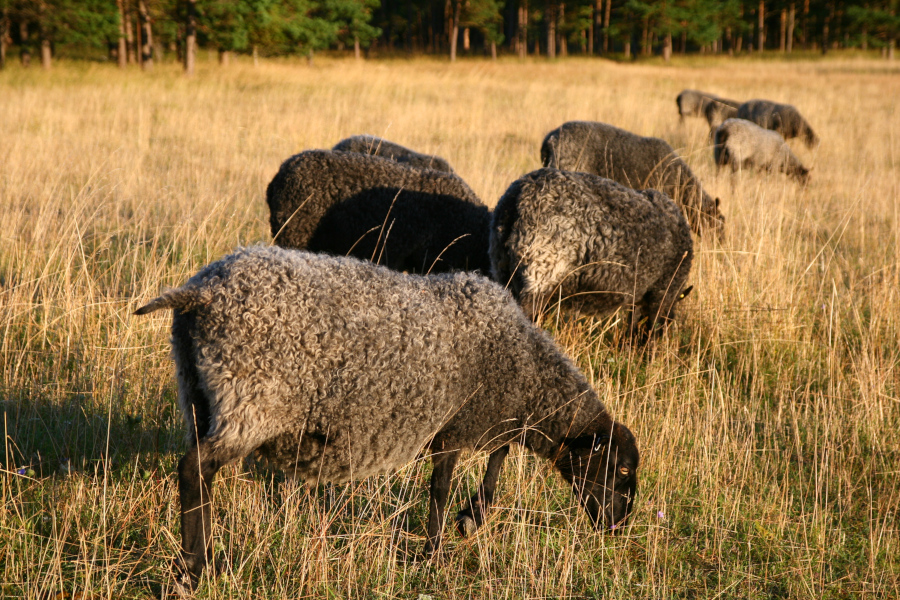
(466, 525)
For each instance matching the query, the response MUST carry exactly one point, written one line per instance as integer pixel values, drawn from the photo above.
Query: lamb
(410, 219)
(717, 112)
(335, 369)
(743, 144)
(783, 118)
(376, 146)
(593, 243)
(634, 161)
(693, 103)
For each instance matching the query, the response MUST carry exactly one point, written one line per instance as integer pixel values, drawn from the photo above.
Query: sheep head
(602, 469)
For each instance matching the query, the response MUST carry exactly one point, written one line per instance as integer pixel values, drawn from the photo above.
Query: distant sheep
(410, 219)
(376, 146)
(783, 118)
(743, 145)
(336, 369)
(634, 161)
(593, 243)
(693, 103)
(717, 112)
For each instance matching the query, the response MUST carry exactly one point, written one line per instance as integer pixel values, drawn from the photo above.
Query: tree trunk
(667, 48)
(224, 57)
(454, 30)
(357, 54)
(645, 37)
(627, 41)
(607, 10)
(493, 50)
(730, 39)
(560, 31)
(256, 54)
(4, 35)
(523, 30)
(762, 25)
(129, 36)
(122, 51)
(466, 41)
(782, 39)
(551, 31)
(25, 51)
(137, 43)
(803, 31)
(190, 38)
(46, 51)
(146, 36)
(790, 28)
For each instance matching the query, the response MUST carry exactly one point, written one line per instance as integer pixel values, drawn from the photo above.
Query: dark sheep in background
(410, 219)
(743, 145)
(717, 112)
(336, 369)
(783, 118)
(634, 161)
(693, 103)
(376, 146)
(593, 243)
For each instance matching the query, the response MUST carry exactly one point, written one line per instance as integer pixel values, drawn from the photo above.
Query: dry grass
(767, 419)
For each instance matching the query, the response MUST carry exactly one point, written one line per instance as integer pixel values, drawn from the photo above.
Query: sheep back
(743, 144)
(634, 161)
(337, 369)
(376, 146)
(374, 208)
(717, 112)
(598, 244)
(693, 103)
(783, 118)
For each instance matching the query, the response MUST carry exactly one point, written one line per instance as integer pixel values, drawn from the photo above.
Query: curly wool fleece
(634, 161)
(410, 219)
(597, 244)
(333, 368)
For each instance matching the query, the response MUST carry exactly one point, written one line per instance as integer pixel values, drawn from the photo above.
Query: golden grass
(767, 419)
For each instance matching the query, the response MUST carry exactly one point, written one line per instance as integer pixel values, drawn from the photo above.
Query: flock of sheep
(336, 368)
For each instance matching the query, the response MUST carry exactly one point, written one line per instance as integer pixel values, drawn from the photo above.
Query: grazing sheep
(337, 369)
(376, 146)
(693, 103)
(783, 118)
(410, 219)
(634, 161)
(593, 243)
(743, 144)
(717, 112)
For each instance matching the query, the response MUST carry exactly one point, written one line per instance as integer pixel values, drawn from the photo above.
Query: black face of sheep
(650, 318)
(602, 469)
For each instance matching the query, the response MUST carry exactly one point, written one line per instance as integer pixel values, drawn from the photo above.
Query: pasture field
(767, 418)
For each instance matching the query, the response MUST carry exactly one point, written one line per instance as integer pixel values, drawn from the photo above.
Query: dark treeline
(141, 31)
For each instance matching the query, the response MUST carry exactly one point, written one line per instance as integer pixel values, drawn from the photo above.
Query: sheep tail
(182, 299)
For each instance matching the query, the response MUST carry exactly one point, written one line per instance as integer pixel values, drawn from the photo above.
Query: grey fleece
(337, 369)
(783, 118)
(634, 161)
(410, 219)
(376, 146)
(577, 236)
(743, 144)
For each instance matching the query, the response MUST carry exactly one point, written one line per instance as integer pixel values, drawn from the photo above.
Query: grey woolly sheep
(376, 146)
(337, 369)
(717, 112)
(693, 103)
(783, 118)
(743, 144)
(410, 219)
(634, 161)
(593, 243)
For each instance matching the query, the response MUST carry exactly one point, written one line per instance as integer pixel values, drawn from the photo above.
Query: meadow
(767, 418)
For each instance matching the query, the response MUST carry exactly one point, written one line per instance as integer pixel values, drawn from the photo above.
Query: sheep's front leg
(196, 471)
(444, 463)
(470, 519)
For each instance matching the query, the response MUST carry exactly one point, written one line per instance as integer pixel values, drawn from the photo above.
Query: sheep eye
(624, 471)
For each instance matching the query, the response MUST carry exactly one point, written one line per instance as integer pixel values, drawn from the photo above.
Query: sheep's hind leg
(196, 471)
(444, 463)
(471, 518)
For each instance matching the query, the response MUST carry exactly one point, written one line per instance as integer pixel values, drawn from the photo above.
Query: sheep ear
(684, 293)
(588, 442)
